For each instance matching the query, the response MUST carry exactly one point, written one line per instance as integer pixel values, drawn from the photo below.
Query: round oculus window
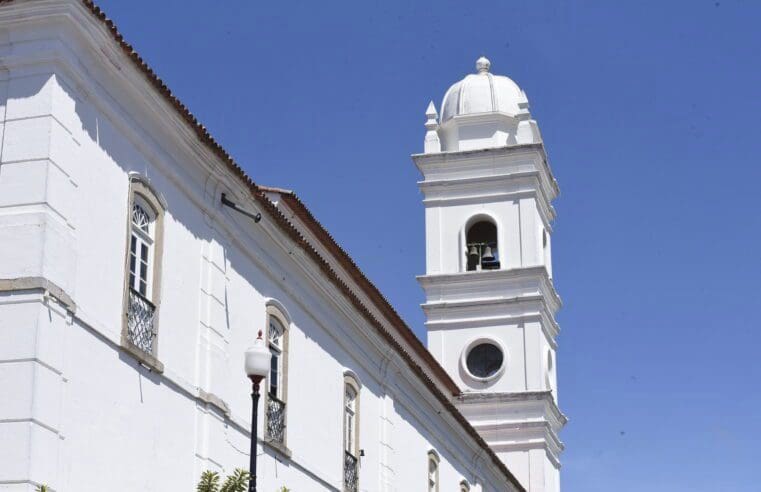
(484, 360)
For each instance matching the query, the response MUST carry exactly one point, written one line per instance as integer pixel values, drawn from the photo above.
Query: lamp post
(257, 364)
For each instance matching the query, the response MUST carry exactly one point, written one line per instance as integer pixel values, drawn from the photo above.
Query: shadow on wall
(107, 152)
(107, 158)
(98, 157)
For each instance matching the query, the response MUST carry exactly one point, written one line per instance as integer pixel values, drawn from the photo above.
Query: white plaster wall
(525, 346)
(533, 469)
(30, 422)
(478, 132)
(35, 188)
(511, 337)
(84, 411)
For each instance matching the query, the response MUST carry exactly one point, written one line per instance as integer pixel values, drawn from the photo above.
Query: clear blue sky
(651, 114)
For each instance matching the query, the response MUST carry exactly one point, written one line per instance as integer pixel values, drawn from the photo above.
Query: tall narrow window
(433, 472)
(350, 411)
(351, 433)
(143, 272)
(482, 251)
(276, 394)
(141, 246)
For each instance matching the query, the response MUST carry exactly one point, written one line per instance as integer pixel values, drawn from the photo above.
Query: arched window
(142, 241)
(277, 339)
(144, 245)
(351, 434)
(464, 486)
(481, 241)
(433, 471)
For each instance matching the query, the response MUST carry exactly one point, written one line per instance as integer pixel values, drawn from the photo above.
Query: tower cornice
(492, 297)
(470, 190)
(525, 283)
(442, 166)
(494, 415)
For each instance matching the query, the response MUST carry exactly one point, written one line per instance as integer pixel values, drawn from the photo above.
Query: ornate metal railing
(140, 315)
(275, 419)
(351, 472)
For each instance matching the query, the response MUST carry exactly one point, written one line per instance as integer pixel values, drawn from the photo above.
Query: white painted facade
(82, 127)
(484, 163)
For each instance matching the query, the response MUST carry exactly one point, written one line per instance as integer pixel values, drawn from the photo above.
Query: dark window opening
(484, 360)
(482, 252)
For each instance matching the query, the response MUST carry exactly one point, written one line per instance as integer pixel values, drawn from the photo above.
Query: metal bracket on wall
(226, 201)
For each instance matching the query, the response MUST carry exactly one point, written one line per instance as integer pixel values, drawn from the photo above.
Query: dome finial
(483, 64)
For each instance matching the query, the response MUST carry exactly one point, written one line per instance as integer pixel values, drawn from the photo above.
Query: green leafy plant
(237, 482)
(209, 482)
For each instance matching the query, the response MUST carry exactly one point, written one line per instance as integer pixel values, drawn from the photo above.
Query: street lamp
(257, 364)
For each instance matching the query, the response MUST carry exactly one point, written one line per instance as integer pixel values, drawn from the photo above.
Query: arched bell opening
(481, 246)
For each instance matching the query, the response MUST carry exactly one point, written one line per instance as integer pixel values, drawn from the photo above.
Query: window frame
(475, 381)
(350, 419)
(351, 381)
(276, 310)
(142, 192)
(145, 239)
(277, 350)
(433, 458)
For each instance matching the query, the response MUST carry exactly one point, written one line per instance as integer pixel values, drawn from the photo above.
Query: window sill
(279, 448)
(147, 360)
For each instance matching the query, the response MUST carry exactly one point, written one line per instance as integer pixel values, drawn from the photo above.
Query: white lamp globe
(257, 359)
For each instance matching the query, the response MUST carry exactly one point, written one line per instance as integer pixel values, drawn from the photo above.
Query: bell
(473, 251)
(488, 255)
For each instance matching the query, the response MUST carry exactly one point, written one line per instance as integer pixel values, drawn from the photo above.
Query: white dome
(483, 92)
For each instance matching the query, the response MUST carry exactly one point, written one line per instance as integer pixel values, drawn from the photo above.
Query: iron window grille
(275, 419)
(351, 472)
(140, 316)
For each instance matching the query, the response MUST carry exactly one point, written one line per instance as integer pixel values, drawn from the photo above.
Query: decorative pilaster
(38, 162)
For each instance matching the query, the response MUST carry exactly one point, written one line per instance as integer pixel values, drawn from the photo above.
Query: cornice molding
(473, 398)
(480, 189)
(486, 285)
(494, 416)
(450, 316)
(453, 163)
(48, 288)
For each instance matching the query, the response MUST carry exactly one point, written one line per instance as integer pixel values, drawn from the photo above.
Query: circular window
(484, 360)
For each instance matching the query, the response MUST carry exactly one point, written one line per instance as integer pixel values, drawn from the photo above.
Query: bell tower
(490, 302)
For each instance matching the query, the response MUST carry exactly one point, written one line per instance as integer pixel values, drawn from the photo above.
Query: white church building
(138, 262)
